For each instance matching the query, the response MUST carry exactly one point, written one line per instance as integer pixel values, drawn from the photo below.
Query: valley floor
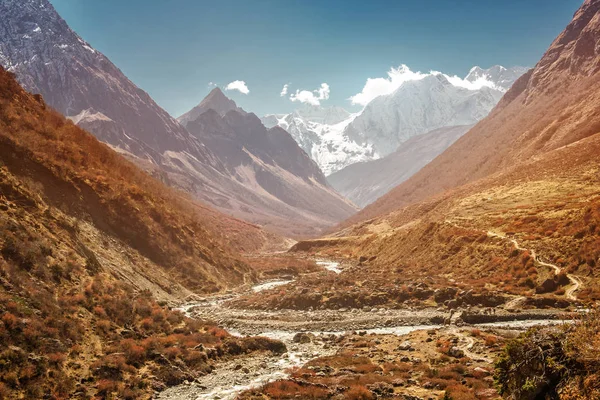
(413, 351)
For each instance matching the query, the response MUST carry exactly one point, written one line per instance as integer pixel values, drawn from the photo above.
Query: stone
(456, 352)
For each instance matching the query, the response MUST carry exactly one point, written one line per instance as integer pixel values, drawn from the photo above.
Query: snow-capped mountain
(49, 58)
(432, 101)
(417, 107)
(319, 131)
(502, 78)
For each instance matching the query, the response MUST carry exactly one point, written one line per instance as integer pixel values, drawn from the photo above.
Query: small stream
(235, 376)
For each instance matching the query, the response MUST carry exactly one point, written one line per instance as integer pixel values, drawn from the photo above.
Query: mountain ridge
(527, 122)
(51, 59)
(418, 106)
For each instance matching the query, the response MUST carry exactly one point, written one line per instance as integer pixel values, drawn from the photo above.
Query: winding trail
(575, 281)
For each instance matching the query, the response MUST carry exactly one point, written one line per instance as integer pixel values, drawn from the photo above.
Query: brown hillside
(86, 180)
(555, 104)
(88, 245)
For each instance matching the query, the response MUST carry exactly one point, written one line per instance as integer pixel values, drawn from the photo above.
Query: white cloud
(212, 84)
(284, 91)
(313, 98)
(478, 84)
(240, 86)
(376, 87)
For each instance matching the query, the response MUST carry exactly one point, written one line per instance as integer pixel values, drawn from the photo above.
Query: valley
(284, 231)
(316, 336)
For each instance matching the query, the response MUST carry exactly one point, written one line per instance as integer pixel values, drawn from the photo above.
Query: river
(233, 377)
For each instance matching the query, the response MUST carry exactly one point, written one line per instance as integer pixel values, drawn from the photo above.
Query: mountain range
(49, 58)
(531, 120)
(416, 107)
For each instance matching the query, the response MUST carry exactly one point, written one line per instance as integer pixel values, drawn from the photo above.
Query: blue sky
(173, 49)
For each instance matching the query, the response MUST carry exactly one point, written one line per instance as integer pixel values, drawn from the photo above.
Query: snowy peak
(215, 100)
(334, 138)
(501, 77)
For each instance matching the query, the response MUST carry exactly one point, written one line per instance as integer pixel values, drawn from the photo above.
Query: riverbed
(235, 376)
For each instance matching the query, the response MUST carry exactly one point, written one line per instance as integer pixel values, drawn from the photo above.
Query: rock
(302, 337)
(549, 285)
(405, 346)
(456, 352)
(397, 383)
(451, 304)
(381, 388)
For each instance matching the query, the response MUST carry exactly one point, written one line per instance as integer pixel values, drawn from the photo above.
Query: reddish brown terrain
(521, 201)
(88, 245)
(555, 104)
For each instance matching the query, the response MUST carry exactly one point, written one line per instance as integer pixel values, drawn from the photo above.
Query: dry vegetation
(281, 265)
(550, 206)
(559, 363)
(86, 242)
(423, 364)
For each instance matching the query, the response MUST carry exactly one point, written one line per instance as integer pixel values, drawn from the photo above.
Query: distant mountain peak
(502, 77)
(215, 100)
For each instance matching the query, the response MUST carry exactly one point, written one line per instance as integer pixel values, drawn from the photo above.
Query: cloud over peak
(311, 97)
(375, 87)
(240, 86)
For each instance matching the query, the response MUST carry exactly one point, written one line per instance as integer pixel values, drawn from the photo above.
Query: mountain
(319, 131)
(417, 107)
(500, 77)
(49, 58)
(284, 180)
(506, 217)
(92, 250)
(551, 106)
(365, 182)
(215, 100)
(335, 138)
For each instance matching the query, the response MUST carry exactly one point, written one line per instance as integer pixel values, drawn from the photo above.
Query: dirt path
(466, 343)
(576, 282)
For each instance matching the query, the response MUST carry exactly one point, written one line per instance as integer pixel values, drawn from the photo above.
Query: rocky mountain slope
(216, 101)
(511, 209)
(89, 247)
(553, 105)
(319, 131)
(271, 162)
(81, 83)
(335, 138)
(365, 182)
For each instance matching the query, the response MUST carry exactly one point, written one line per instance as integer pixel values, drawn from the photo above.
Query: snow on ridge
(412, 103)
